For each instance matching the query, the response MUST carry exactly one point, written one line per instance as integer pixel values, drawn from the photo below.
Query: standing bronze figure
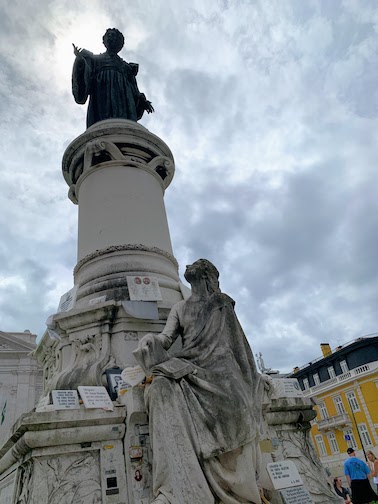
(109, 82)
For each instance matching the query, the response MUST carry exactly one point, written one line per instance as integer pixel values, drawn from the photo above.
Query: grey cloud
(270, 111)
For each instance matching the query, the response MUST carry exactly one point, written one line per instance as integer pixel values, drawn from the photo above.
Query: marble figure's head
(113, 40)
(206, 270)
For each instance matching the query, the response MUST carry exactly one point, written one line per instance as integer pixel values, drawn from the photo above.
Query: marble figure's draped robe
(111, 86)
(205, 425)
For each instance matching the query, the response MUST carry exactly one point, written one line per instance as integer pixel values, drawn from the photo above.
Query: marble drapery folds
(204, 424)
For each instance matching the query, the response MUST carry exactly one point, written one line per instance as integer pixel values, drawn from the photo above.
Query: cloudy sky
(271, 110)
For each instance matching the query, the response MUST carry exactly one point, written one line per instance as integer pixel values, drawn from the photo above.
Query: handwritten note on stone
(133, 375)
(144, 288)
(284, 474)
(95, 397)
(65, 399)
(296, 495)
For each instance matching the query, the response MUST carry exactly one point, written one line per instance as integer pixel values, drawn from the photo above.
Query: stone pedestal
(117, 172)
(287, 437)
(65, 456)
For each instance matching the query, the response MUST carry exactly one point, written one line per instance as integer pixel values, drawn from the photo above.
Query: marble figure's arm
(170, 332)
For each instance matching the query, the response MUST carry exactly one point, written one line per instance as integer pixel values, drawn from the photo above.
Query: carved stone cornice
(133, 247)
(116, 142)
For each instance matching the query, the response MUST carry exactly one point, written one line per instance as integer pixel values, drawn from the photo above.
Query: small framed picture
(114, 379)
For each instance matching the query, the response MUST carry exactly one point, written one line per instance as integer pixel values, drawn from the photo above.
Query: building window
(365, 436)
(339, 405)
(305, 384)
(331, 372)
(323, 411)
(352, 400)
(344, 366)
(316, 379)
(333, 443)
(321, 445)
(350, 439)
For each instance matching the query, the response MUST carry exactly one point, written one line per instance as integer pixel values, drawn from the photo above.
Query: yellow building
(344, 386)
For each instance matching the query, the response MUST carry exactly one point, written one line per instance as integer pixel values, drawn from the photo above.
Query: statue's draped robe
(205, 426)
(111, 86)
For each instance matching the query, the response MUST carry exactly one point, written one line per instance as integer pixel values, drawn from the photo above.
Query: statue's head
(113, 40)
(203, 269)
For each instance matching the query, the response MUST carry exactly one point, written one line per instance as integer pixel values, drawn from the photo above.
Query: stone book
(173, 368)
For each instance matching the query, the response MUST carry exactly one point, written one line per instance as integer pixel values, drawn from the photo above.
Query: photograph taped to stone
(113, 377)
(120, 387)
(95, 397)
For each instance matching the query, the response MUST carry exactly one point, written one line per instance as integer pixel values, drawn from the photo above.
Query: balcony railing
(357, 372)
(334, 421)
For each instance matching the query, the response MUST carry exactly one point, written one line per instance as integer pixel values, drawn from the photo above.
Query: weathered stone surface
(287, 423)
(67, 456)
(204, 403)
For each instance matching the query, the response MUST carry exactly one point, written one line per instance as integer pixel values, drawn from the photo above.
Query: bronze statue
(109, 82)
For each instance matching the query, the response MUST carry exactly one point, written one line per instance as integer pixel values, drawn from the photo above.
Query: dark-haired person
(358, 473)
(109, 81)
(340, 490)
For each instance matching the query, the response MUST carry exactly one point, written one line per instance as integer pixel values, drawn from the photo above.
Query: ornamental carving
(65, 479)
(102, 150)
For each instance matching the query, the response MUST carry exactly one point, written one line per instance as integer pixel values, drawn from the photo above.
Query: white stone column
(117, 172)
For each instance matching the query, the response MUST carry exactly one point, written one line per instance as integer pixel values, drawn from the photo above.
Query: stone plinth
(65, 456)
(93, 339)
(117, 172)
(287, 437)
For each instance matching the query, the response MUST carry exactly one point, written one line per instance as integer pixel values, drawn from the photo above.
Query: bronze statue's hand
(77, 50)
(148, 107)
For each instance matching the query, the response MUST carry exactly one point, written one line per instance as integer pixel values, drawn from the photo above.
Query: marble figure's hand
(146, 341)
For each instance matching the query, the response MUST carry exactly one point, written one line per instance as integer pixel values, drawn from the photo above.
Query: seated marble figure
(204, 401)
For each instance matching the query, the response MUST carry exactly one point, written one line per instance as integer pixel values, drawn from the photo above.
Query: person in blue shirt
(358, 474)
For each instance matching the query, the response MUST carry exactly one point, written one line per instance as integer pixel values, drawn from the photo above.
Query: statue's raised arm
(109, 82)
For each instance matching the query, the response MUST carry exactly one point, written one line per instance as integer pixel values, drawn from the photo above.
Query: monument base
(94, 456)
(65, 456)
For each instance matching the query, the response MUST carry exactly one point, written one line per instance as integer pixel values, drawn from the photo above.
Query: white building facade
(20, 378)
